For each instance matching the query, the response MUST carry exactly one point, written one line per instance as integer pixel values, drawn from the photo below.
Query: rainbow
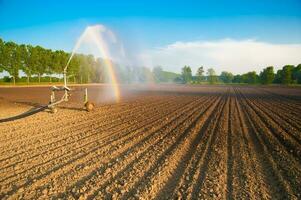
(100, 44)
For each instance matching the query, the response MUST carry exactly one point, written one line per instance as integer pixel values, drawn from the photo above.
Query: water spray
(53, 102)
(97, 36)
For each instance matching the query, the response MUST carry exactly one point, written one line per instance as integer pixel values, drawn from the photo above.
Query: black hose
(26, 114)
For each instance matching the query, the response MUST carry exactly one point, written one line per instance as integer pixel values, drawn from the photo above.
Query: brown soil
(159, 142)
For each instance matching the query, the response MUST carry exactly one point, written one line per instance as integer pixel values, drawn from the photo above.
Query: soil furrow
(290, 145)
(84, 156)
(285, 115)
(254, 172)
(273, 175)
(211, 178)
(159, 142)
(90, 143)
(75, 139)
(82, 133)
(295, 133)
(149, 145)
(69, 124)
(151, 181)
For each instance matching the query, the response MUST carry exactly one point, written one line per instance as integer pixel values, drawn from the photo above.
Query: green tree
(47, 63)
(1, 55)
(211, 76)
(297, 74)
(84, 69)
(25, 67)
(200, 74)
(11, 60)
(278, 77)
(73, 68)
(250, 77)
(90, 67)
(41, 62)
(33, 60)
(226, 77)
(56, 62)
(287, 71)
(237, 79)
(267, 75)
(36, 60)
(186, 74)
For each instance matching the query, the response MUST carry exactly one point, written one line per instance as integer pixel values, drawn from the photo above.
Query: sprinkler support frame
(53, 102)
(66, 90)
(65, 97)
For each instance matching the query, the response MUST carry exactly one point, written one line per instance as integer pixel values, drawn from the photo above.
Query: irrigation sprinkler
(89, 106)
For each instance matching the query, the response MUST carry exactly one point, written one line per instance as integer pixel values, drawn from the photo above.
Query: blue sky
(146, 26)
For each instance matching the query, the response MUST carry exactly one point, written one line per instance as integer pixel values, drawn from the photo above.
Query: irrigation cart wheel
(89, 106)
(53, 110)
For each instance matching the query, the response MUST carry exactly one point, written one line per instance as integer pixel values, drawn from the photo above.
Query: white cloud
(237, 56)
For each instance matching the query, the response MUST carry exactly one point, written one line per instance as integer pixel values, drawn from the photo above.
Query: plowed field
(168, 142)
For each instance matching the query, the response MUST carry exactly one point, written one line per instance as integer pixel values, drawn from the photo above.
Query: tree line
(289, 74)
(41, 64)
(45, 65)
(38, 61)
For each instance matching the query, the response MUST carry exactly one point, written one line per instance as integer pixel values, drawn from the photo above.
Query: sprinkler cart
(53, 102)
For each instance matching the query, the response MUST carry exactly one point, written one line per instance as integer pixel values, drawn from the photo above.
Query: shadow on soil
(71, 108)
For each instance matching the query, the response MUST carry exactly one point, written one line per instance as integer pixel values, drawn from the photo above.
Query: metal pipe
(86, 95)
(65, 78)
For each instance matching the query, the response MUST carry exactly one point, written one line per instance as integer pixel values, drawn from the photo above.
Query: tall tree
(250, 78)
(1, 55)
(287, 71)
(237, 79)
(42, 62)
(296, 74)
(25, 67)
(11, 60)
(84, 69)
(186, 74)
(33, 60)
(211, 76)
(56, 62)
(200, 74)
(278, 77)
(267, 75)
(226, 77)
(47, 63)
(73, 68)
